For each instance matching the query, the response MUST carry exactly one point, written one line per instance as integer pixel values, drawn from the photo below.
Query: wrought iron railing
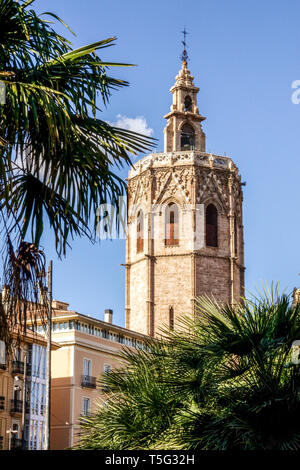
(17, 367)
(16, 406)
(88, 381)
(16, 443)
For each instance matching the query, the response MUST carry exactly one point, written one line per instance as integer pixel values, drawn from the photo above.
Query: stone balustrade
(190, 157)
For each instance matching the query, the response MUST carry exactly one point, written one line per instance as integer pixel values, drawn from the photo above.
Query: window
(86, 406)
(187, 137)
(32, 397)
(140, 232)
(17, 354)
(2, 352)
(37, 398)
(107, 369)
(16, 428)
(171, 318)
(211, 226)
(43, 399)
(44, 358)
(35, 425)
(235, 238)
(188, 103)
(87, 367)
(26, 433)
(171, 225)
(42, 435)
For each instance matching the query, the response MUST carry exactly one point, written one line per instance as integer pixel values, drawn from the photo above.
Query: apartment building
(23, 394)
(88, 347)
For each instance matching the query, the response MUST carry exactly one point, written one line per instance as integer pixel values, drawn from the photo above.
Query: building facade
(23, 394)
(87, 348)
(185, 227)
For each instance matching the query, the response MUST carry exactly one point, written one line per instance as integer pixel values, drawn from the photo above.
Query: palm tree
(56, 156)
(223, 381)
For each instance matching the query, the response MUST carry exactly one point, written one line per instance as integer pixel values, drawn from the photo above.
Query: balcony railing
(17, 367)
(88, 381)
(15, 443)
(1, 442)
(16, 406)
(2, 403)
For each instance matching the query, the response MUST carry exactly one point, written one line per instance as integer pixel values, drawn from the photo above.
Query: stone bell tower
(185, 228)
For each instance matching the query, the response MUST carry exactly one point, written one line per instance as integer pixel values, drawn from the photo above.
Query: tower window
(188, 103)
(211, 226)
(171, 318)
(140, 232)
(235, 238)
(171, 225)
(187, 137)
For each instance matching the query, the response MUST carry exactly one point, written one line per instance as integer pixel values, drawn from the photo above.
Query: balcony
(17, 367)
(15, 443)
(2, 366)
(2, 403)
(16, 406)
(88, 381)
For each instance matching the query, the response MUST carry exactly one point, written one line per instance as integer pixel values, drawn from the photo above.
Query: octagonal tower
(185, 228)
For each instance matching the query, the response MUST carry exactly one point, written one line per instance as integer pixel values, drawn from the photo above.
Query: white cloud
(137, 124)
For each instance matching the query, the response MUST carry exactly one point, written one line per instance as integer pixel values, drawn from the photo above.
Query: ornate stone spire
(183, 130)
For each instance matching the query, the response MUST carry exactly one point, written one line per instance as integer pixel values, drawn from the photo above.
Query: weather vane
(184, 56)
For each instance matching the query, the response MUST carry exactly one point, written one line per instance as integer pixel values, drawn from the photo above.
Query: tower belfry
(183, 130)
(185, 228)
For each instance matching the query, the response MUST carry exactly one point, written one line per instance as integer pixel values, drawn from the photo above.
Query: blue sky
(244, 57)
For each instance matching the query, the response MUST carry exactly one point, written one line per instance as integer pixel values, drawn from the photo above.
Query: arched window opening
(171, 318)
(211, 226)
(187, 137)
(235, 238)
(171, 225)
(140, 232)
(188, 103)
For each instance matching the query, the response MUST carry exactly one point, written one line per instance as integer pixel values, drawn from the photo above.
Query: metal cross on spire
(184, 56)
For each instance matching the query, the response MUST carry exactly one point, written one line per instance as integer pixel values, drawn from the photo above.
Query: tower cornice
(186, 114)
(184, 158)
